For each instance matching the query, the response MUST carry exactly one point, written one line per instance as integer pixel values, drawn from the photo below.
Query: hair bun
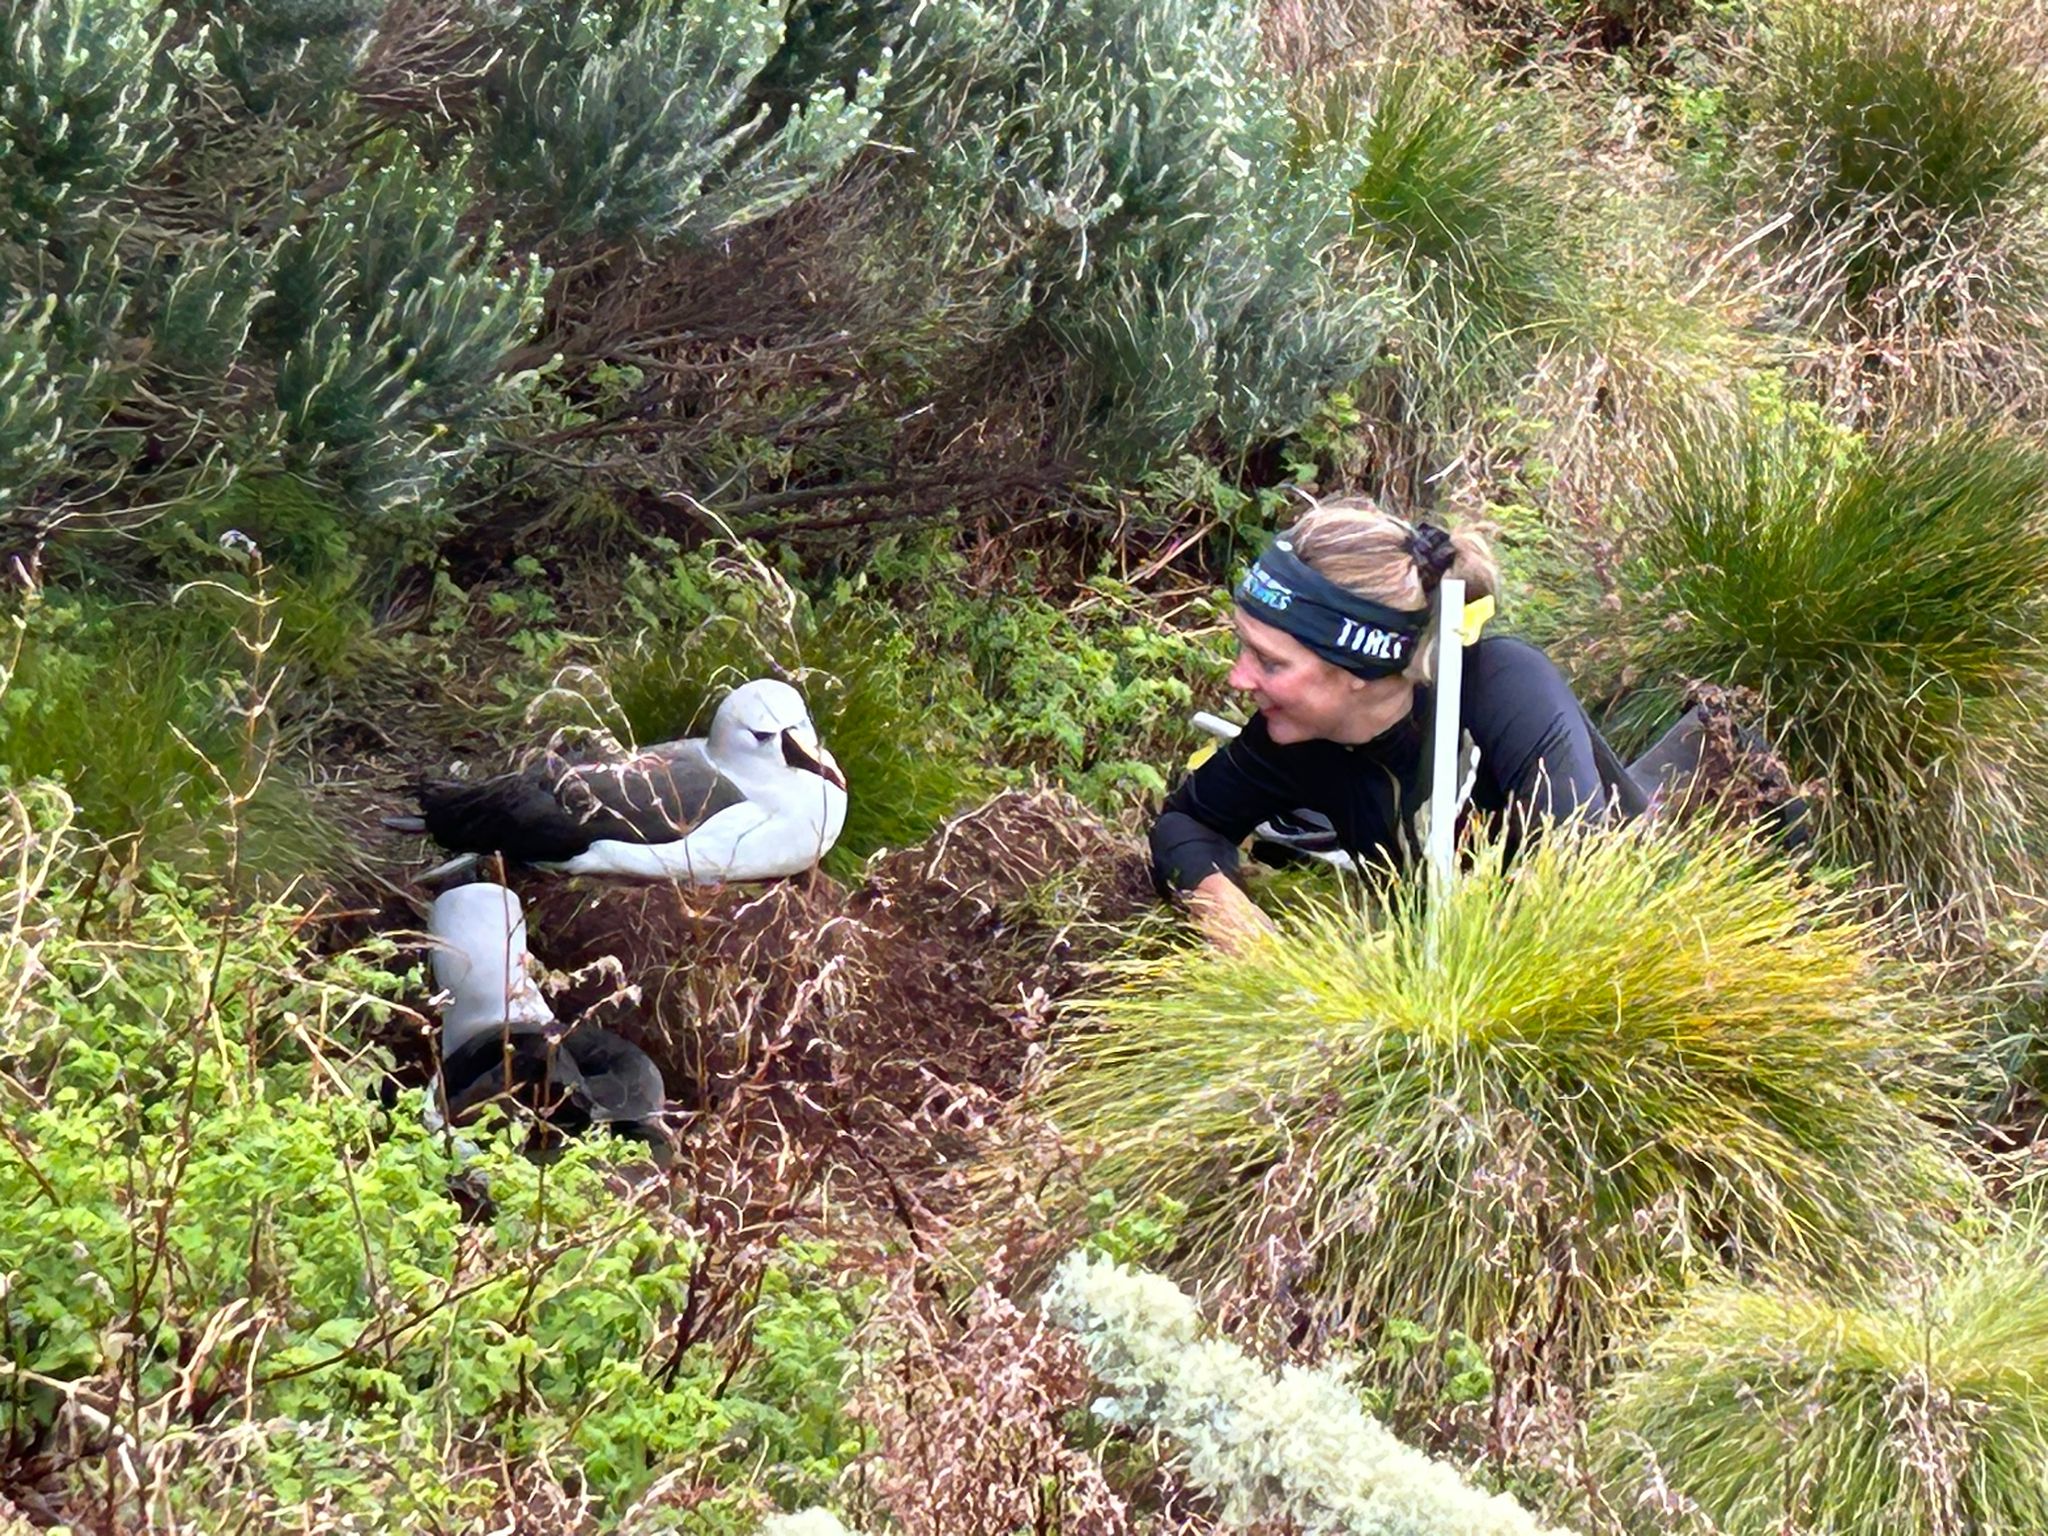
(1434, 553)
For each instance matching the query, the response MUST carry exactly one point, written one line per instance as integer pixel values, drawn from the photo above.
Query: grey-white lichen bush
(643, 120)
(1292, 1445)
(1136, 175)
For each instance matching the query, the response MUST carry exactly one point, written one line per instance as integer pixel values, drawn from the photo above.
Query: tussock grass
(1886, 603)
(151, 716)
(1465, 185)
(1921, 1408)
(1557, 1091)
(1903, 143)
(886, 713)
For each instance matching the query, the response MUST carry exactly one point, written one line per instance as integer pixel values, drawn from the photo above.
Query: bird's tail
(405, 823)
(461, 864)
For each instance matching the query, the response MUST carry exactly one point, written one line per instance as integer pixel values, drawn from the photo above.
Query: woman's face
(1305, 698)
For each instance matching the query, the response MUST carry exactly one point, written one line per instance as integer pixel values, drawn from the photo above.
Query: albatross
(500, 1039)
(758, 798)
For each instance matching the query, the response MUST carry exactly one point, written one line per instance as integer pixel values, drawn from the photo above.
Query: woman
(1335, 627)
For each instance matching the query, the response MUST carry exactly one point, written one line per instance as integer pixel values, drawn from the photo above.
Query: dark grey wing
(655, 796)
(559, 806)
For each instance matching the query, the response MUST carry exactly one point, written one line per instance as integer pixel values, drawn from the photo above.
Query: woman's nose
(1241, 673)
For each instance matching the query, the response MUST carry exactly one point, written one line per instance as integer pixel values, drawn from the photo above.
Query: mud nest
(891, 1019)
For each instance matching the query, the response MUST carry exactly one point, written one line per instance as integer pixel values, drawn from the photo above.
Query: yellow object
(1477, 612)
(1202, 754)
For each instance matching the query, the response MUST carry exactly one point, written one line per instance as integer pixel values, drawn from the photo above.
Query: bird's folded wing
(654, 796)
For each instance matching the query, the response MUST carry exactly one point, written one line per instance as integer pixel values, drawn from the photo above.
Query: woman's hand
(1226, 916)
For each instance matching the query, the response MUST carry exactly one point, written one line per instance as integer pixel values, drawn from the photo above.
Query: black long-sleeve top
(1539, 756)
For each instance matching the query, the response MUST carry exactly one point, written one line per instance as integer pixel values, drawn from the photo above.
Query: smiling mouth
(797, 755)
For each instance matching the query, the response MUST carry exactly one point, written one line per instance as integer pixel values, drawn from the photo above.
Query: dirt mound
(888, 1021)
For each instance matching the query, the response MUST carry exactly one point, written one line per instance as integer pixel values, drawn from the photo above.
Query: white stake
(1443, 780)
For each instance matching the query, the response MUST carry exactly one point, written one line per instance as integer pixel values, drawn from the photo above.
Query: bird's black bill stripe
(797, 755)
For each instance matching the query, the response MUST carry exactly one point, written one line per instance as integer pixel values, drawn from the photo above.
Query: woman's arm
(1195, 839)
(1227, 917)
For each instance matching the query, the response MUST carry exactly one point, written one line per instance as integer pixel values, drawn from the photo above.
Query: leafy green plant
(1885, 603)
(1903, 1409)
(216, 1223)
(1522, 1107)
(1095, 694)
(1906, 139)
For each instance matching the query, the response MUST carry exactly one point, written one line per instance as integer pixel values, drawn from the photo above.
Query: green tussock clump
(1885, 602)
(888, 711)
(1908, 141)
(161, 725)
(1911, 1411)
(1465, 186)
(1554, 1092)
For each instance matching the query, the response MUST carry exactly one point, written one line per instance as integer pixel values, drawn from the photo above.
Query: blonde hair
(1366, 549)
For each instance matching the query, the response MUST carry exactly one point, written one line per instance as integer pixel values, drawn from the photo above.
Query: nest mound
(891, 1018)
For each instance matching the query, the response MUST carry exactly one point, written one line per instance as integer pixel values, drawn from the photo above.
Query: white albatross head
(763, 732)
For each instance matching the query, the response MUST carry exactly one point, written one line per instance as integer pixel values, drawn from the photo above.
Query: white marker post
(1442, 850)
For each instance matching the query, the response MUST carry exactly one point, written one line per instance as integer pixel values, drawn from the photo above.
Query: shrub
(388, 322)
(1566, 1084)
(31, 412)
(1291, 1447)
(1908, 140)
(215, 1222)
(639, 119)
(1886, 604)
(1915, 1407)
(83, 106)
(1130, 176)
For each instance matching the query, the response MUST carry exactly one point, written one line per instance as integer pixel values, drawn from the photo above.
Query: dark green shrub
(1465, 188)
(641, 119)
(389, 321)
(1886, 603)
(1130, 175)
(83, 108)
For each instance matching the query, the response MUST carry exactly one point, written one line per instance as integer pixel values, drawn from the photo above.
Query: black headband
(1346, 630)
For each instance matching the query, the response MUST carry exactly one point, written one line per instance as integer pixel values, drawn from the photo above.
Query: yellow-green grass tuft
(1571, 1083)
(1917, 1409)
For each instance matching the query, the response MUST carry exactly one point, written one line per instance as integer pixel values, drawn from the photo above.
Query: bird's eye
(762, 736)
